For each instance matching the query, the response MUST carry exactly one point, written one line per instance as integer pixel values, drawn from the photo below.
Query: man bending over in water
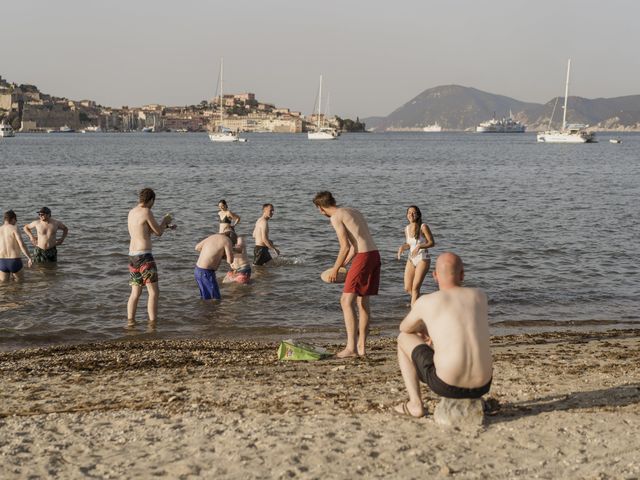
(45, 242)
(11, 245)
(363, 277)
(142, 266)
(212, 249)
(444, 340)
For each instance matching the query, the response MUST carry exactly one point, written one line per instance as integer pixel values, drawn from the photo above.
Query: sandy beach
(563, 405)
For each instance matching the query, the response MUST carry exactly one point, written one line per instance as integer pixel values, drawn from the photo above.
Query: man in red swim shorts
(363, 277)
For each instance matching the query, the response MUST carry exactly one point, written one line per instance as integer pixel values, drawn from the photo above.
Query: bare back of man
(11, 246)
(212, 249)
(444, 340)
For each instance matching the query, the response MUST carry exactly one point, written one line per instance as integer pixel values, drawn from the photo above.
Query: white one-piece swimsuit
(423, 254)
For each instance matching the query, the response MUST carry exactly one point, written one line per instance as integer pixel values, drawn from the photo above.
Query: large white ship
(504, 125)
(436, 127)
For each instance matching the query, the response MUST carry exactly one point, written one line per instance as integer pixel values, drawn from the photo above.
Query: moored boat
(6, 130)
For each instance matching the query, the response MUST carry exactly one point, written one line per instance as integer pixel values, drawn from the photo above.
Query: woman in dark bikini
(228, 219)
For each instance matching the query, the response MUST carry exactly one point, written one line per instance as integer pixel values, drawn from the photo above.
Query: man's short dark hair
(324, 199)
(10, 215)
(265, 205)
(146, 195)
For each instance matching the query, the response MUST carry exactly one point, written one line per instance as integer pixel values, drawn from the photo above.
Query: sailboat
(569, 133)
(322, 132)
(222, 134)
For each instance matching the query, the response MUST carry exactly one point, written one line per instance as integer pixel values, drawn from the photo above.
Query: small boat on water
(6, 130)
(615, 140)
(148, 129)
(221, 134)
(322, 132)
(62, 129)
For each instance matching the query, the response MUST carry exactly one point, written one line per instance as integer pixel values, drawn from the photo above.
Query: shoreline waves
(563, 405)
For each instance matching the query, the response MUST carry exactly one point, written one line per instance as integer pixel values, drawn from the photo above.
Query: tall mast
(221, 97)
(566, 95)
(319, 102)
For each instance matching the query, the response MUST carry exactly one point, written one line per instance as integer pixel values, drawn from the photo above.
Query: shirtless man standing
(444, 340)
(211, 251)
(142, 266)
(11, 245)
(45, 242)
(363, 277)
(261, 235)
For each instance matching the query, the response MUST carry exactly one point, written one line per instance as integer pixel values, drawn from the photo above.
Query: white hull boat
(615, 140)
(224, 135)
(6, 130)
(568, 133)
(321, 133)
(435, 128)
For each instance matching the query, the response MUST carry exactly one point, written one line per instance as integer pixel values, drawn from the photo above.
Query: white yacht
(436, 127)
(222, 134)
(568, 133)
(6, 130)
(322, 132)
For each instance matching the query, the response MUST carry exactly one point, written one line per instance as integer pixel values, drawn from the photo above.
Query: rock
(465, 412)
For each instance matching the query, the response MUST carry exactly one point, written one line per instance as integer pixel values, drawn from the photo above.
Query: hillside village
(27, 109)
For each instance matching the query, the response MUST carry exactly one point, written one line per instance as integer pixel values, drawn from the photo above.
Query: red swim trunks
(363, 278)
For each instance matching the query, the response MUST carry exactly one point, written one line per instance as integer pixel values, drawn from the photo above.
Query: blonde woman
(228, 219)
(418, 239)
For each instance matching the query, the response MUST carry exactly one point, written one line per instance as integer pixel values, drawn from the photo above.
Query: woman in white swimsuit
(418, 240)
(228, 219)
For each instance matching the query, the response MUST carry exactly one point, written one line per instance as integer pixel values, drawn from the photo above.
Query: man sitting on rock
(444, 340)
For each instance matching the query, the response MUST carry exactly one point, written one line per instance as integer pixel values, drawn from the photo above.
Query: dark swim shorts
(422, 357)
(142, 270)
(261, 255)
(10, 265)
(49, 255)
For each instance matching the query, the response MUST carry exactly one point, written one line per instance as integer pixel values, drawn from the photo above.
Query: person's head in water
(449, 271)
(147, 197)
(268, 210)
(414, 215)
(222, 205)
(324, 201)
(10, 217)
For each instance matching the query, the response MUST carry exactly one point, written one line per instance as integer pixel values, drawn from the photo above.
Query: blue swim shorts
(207, 283)
(10, 265)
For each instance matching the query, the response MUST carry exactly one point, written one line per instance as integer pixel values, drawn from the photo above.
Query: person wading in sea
(142, 266)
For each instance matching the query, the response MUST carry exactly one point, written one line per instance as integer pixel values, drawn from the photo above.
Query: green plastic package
(295, 350)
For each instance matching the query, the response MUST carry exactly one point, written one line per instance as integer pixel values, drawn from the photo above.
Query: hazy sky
(374, 55)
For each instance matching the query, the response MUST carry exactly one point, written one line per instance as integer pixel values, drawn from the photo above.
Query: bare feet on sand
(410, 409)
(346, 353)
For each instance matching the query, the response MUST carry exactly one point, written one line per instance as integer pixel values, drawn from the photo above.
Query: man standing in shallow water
(142, 266)
(444, 340)
(261, 253)
(363, 277)
(11, 245)
(45, 242)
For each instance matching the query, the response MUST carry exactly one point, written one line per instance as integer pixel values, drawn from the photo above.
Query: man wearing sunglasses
(46, 241)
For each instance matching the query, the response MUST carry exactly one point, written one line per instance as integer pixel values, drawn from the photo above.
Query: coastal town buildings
(30, 110)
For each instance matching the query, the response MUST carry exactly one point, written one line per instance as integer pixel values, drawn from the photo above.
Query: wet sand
(564, 405)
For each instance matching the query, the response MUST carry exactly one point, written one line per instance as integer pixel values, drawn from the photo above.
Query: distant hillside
(462, 108)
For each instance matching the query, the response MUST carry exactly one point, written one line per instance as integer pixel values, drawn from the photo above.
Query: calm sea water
(549, 231)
